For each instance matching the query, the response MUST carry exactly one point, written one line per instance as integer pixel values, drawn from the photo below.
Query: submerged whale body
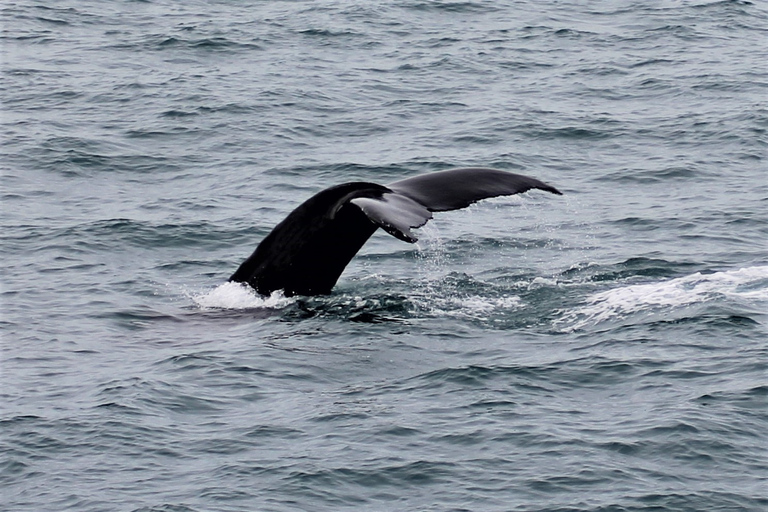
(307, 252)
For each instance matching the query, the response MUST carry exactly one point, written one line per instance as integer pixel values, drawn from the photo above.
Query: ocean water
(606, 350)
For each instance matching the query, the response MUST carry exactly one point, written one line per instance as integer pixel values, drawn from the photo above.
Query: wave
(749, 284)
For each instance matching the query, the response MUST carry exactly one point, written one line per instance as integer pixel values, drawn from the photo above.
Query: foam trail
(749, 284)
(233, 295)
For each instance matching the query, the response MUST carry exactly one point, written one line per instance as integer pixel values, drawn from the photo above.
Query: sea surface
(604, 351)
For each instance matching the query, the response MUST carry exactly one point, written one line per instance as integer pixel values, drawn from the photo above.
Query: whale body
(307, 252)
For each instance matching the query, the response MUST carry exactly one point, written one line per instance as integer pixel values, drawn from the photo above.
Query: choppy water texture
(600, 351)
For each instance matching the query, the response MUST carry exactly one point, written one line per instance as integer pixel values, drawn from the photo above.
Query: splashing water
(233, 295)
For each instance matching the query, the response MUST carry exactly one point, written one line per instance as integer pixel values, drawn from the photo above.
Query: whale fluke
(458, 188)
(307, 252)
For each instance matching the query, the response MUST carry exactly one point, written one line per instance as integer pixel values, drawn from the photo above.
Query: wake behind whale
(306, 253)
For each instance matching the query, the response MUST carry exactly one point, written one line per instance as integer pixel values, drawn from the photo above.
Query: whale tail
(307, 252)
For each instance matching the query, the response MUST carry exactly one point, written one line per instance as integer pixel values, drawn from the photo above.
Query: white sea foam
(473, 306)
(749, 283)
(239, 296)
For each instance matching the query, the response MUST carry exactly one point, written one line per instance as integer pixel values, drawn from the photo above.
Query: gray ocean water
(601, 351)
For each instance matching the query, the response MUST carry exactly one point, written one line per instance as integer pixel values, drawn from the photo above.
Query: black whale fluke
(307, 252)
